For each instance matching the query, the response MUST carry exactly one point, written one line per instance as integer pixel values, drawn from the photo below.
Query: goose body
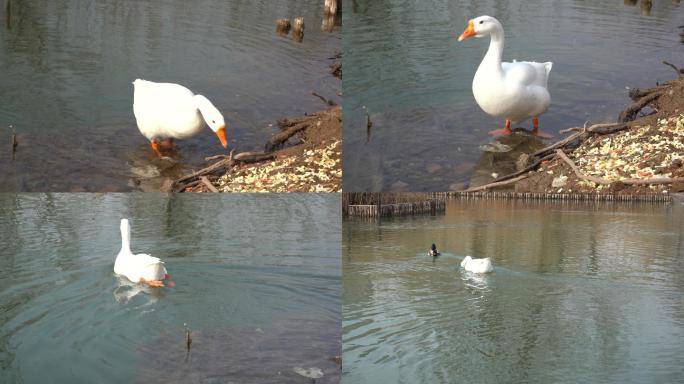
(514, 91)
(171, 111)
(433, 251)
(138, 268)
(477, 265)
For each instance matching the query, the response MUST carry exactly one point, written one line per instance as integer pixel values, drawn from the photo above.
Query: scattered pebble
(644, 152)
(311, 373)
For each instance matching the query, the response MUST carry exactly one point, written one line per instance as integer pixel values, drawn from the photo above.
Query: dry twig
(677, 69)
(630, 113)
(208, 184)
(495, 184)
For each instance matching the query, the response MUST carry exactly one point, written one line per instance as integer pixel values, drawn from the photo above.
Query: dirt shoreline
(306, 156)
(640, 154)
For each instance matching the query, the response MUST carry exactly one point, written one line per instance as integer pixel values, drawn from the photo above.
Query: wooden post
(330, 7)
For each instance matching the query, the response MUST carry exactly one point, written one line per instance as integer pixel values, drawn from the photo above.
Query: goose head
(212, 117)
(481, 26)
(465, 261)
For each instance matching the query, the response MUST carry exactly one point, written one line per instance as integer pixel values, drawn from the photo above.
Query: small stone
(559, 181)
(311, 373)
(496, 147)
(522, 162)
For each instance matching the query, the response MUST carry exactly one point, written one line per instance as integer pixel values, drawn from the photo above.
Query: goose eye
(481, 21)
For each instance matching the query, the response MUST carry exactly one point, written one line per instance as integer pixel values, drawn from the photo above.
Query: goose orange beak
(221, 133)
(469, 32)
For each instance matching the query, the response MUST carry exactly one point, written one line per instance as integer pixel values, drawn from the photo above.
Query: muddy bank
(642, 153)
(305, 156)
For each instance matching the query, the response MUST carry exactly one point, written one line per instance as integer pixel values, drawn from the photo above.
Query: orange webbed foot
(506, 130)
(501, 132)
(535, 131)
(153, 283)
(155, 148)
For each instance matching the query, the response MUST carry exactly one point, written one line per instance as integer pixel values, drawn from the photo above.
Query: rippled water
(404, 64)
(66, 70)
(257, 280)
(579, 293)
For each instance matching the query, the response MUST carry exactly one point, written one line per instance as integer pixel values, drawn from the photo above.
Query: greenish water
(404, 64)
(66, 69)
(580, 293)
(257, 280)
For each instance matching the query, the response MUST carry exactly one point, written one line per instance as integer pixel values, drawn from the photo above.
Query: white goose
(171, 111)
(477, 265)
(514, 91)
(142, 267)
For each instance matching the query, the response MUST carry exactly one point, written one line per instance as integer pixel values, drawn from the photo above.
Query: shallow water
(66, 70)
(404, 64)
(257, 277)
(579, 293)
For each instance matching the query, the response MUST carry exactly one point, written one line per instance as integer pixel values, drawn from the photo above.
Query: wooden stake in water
(283, 27)
(188, 336)
(369, 125)
(8, 15)
(298, 29)
(330, 7)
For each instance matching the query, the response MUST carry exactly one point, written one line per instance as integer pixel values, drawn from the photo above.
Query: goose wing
(527, 72)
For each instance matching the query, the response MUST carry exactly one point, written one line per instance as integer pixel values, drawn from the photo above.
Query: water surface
(403, 63)
(66, 70)
(580, 293)
(257, 280)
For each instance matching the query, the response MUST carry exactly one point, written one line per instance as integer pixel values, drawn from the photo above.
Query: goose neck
(202, 103)
(494, 53)
(125, 236)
